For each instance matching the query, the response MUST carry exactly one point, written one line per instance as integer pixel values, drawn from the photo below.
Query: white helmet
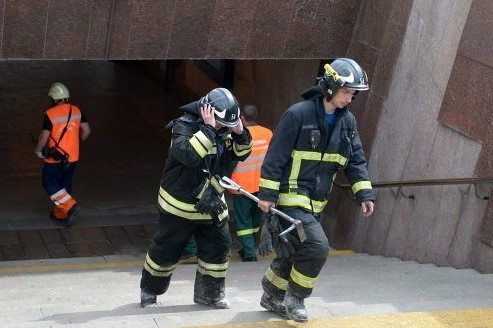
(58, 91)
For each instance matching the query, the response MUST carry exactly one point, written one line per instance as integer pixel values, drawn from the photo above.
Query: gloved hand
(265, 244)
(284, 246)
(40, 155)
(210, 203)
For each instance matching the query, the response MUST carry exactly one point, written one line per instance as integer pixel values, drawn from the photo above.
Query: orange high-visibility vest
(247, 173)
(58, 116)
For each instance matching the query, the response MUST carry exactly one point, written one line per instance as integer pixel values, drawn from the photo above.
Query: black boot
(222, 303)
(273, 304)
(210, 291)
(147, 299)
(295, 307)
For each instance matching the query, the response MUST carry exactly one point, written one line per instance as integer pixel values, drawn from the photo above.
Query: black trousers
(213, 249)
(299, 272)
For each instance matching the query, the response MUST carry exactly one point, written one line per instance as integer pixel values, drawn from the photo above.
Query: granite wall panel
(67, 29)
(376, 43)
(271, 25)
(320, 29)
(122, 13)
(191, 28)
(99, 27)
(477, 43)
(169, 29)
(373, 22)
(24, 29)
(468, 100)
(150, 33)
(230, 31)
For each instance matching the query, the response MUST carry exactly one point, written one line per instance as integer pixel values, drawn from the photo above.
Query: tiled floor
(74, 242)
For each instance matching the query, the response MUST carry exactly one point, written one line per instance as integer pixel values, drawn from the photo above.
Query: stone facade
(427, 115)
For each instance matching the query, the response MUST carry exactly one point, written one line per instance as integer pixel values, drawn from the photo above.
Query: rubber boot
(210, 291)
(274, 304)
(295, 307)
(219, 304)
(147, 299)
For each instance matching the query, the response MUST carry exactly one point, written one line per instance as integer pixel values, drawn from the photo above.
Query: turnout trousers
(213, 247)
(298, 273)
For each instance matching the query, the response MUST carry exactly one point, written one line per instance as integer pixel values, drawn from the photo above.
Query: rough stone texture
(427, 115)
(440, 224)
(230, 32)
(110, 29)
(155, 16)
(24, 28)
(67, 29)
(476, 43)
(97, 39)
(193, 26)
(378, 37)
(468, 99)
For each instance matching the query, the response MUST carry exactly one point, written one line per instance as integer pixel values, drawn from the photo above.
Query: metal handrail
(430, 182)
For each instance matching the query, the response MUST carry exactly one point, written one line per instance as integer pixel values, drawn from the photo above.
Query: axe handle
(227, 183)
(272, 209)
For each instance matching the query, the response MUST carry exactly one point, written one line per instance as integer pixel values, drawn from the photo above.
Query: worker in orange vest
(64, 126)
(247, 174)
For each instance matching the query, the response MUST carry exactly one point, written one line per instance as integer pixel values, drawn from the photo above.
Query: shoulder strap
(64, 129)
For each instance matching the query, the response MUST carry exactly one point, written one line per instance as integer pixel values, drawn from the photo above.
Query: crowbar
(229, 184)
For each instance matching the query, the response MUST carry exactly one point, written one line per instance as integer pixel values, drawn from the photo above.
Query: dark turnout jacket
(197, 154)
(303, 159)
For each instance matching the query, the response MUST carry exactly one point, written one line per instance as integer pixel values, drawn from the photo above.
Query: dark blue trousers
(57, 176)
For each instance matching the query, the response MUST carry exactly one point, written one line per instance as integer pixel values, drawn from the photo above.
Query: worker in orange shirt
(64, 126)
(247, 174)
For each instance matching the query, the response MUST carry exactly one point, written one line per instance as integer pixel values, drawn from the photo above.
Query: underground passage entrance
(127, 105)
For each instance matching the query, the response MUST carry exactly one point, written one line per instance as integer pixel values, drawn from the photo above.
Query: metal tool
(229, 184)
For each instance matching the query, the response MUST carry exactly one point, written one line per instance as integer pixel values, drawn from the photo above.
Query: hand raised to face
(207, 112)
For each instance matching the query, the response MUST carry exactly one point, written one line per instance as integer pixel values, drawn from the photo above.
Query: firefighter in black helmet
(205, 141)
(315, 139)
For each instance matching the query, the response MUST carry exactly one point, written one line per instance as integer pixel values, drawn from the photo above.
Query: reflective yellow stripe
(216, 185)
(294, 200)
(336, 158)
(306, 155)
(182, 209)
(269, 184)
(201, 143)
(212, 269)
(157, 270)
(204, 187)
(299, 155)
(241, 150)
(301, 279)
(277, 281)
(317, 156)
(360, 186)
(295, 171)
(245, 232)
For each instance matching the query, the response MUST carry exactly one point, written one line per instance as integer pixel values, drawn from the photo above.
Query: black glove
(284, 246)
(210, 203)
(265, 243)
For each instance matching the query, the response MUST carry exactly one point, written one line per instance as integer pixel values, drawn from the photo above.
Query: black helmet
(226, 108)
(343, 72)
